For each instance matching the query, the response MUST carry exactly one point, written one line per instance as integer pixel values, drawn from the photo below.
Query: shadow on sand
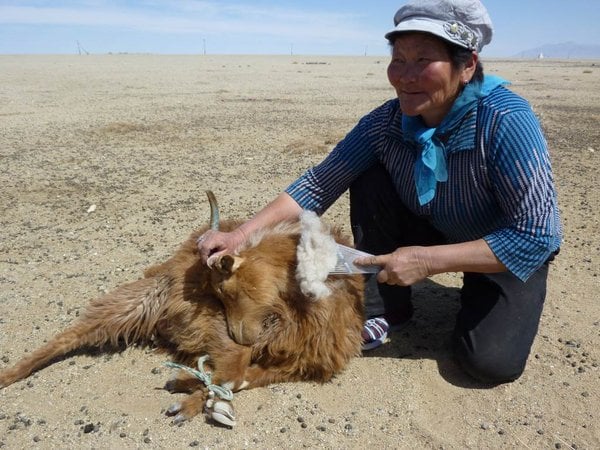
(428, 335)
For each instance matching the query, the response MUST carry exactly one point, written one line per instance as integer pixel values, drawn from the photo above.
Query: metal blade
(345, 262)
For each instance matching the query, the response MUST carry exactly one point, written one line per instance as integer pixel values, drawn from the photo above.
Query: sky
(306, 27)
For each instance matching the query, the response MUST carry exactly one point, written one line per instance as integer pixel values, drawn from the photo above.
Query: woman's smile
(423, 76)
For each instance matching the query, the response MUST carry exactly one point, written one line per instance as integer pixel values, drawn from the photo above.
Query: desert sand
(104, 164)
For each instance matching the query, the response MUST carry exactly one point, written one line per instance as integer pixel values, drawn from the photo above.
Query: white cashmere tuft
(317, 256)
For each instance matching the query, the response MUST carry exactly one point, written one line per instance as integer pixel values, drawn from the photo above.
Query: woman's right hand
(213, 243)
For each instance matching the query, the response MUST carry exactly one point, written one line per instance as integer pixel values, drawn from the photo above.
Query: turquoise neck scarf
(430, 166)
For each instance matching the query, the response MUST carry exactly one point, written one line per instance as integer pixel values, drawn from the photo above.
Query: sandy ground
(104, 164)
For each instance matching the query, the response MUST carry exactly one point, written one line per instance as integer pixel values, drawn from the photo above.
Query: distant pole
(366, 47)
(80, 49)
(204, 46)
(292, 49)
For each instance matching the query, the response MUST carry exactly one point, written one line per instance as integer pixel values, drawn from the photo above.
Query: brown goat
(246, 312)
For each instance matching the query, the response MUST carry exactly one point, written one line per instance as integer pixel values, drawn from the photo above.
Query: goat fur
(316, 254)
(247, 311)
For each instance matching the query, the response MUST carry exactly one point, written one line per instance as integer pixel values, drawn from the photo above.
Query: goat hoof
(174, 409)
(179, 419)
(221, 412)
(170, 386)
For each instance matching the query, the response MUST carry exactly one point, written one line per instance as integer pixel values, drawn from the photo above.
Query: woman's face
(422, 74)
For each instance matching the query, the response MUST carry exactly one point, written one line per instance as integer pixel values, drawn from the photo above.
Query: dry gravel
(105, 160)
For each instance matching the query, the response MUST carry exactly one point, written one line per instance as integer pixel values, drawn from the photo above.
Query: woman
(453, 175)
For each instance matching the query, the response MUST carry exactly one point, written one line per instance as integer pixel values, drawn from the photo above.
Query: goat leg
(128, 313)
(189, 407)
(183, 382)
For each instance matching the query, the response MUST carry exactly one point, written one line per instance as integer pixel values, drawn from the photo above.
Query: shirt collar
(430, 165)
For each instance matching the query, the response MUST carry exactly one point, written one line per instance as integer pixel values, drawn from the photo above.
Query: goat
(247, 312)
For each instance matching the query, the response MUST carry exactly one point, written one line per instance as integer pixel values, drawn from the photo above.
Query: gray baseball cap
(462, 22)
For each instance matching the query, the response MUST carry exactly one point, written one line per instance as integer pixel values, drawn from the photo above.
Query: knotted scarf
(430, 166)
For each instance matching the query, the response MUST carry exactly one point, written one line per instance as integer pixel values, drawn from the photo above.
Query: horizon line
(346, 55)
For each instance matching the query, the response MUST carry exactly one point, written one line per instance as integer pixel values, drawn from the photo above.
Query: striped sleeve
(320, 186)
(521, 174)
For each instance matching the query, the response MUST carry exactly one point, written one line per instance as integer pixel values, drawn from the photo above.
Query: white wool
(316, 254)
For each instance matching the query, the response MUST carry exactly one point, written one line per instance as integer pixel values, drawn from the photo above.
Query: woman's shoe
(374, 333)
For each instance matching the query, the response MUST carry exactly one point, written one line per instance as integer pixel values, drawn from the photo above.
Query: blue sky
(344, 27)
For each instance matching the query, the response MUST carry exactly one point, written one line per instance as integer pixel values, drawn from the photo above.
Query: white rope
(205, 377)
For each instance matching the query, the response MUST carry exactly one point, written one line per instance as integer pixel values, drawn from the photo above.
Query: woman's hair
(460, 57)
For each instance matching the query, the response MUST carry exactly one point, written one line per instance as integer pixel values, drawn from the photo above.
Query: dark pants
(499, 314)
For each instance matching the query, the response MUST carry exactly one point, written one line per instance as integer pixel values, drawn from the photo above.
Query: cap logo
(458, 32)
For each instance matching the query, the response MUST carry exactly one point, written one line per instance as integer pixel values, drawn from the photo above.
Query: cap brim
(423, 25)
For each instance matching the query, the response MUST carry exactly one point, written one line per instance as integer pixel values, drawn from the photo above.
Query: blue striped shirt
(500, 185)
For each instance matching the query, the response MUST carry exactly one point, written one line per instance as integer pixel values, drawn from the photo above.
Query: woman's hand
(409, 265)
(214, 243)
(403, 267)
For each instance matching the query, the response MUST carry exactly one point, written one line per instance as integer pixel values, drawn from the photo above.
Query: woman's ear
(469, 69)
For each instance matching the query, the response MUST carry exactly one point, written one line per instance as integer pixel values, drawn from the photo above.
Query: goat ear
(228, 264)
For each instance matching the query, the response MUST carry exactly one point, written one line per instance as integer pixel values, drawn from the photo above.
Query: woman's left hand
(403, 267)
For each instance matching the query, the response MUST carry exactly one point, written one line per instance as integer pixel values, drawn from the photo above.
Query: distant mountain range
(566, 50)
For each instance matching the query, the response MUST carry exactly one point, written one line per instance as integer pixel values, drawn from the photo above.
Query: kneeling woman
(453, 175)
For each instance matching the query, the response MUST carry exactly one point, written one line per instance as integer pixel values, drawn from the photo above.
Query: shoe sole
(374, 344)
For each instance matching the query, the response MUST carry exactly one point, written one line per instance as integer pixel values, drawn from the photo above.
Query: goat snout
(243, 332)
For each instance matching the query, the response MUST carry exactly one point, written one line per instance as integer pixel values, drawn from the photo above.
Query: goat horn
(214, 211)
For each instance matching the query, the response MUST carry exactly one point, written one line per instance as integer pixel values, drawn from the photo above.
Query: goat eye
(270, 320)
